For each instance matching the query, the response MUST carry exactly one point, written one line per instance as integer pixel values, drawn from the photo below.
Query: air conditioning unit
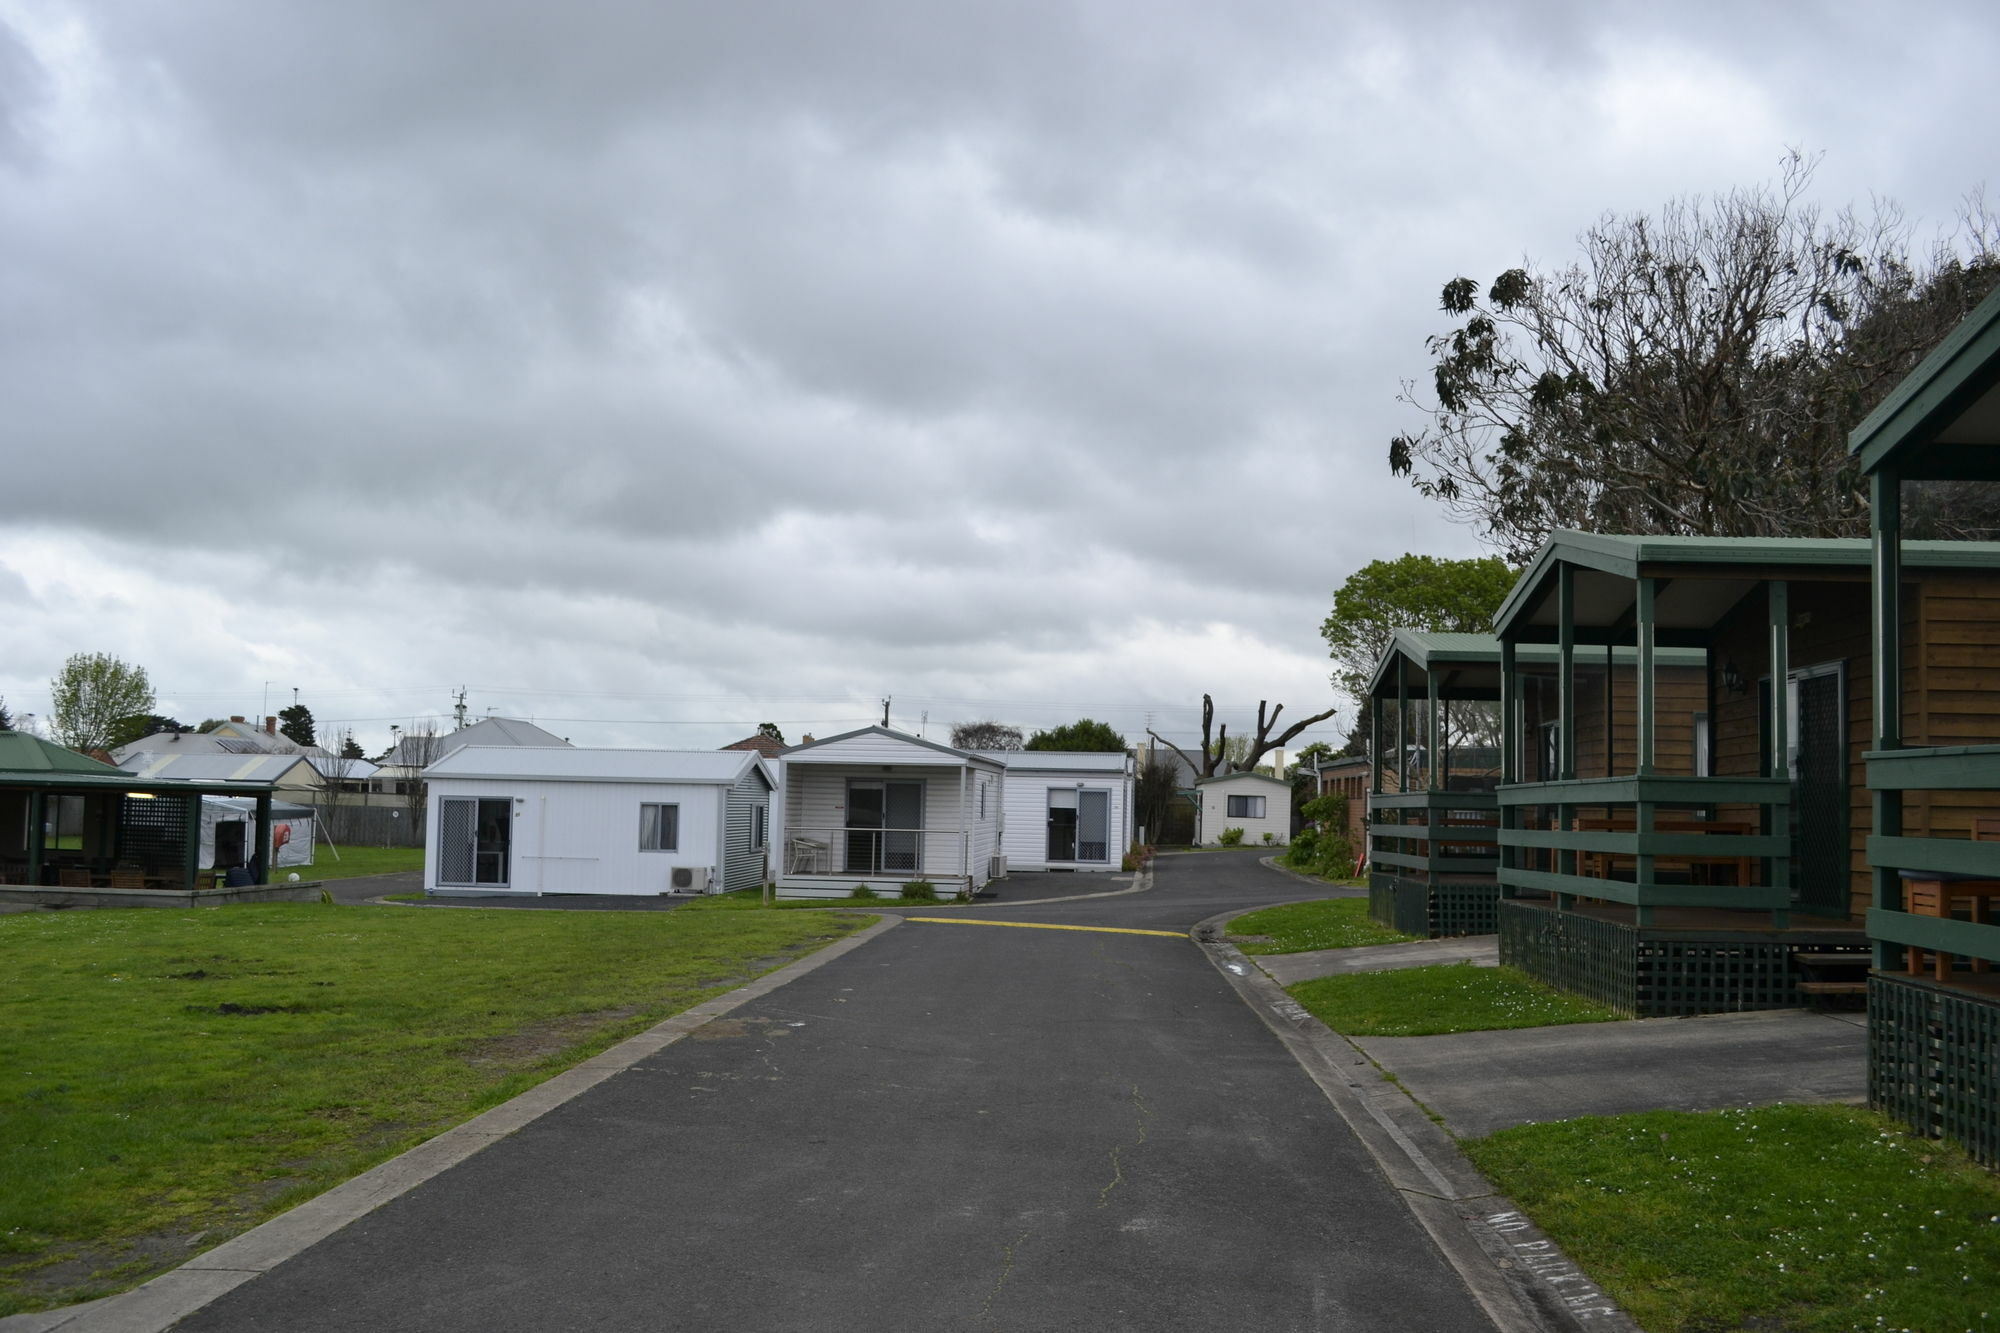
(998, 868)
(694, 879)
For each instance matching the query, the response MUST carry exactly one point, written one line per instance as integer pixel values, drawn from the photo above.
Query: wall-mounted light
(1732, 679)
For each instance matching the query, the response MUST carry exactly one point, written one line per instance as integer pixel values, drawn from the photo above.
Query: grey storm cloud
(1030, 352)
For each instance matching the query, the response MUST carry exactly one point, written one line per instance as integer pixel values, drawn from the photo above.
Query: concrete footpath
(944, 1127)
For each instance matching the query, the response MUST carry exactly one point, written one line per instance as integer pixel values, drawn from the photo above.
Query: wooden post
(260, 864)
(1781, 728)
(191, 830)
(1886, 494)
(1402, 728)
(38, 843)
(1510, 771)
(1566, 714)
(1646, 702)
(1433, 718)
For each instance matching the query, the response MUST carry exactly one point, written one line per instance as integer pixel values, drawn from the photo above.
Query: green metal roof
(1943, 419)
(22, 753)
(1624, 556)
(29, 761)
(1425, 650)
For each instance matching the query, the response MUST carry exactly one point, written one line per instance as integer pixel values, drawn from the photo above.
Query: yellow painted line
(1039, 925)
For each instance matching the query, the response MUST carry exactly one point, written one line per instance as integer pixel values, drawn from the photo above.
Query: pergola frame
(39, 787)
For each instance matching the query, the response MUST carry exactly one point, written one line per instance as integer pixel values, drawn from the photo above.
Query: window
(760, 826)
(982, 800)
(659, 828)
(1246, 807)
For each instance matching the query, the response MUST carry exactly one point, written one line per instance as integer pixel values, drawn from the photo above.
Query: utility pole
(458, 709)
(923, 722)
(885, 709)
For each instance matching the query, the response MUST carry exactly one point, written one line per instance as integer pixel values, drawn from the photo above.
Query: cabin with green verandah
(1433, 710)
(1934, 772)
(67, 820)
(1729, 874)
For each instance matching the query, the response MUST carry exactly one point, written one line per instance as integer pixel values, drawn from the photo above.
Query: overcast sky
(657, 369)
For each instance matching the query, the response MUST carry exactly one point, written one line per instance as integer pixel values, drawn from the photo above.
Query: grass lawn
(355, 861)
(1455, 997)
(174, 1077)
(1798, 1218)
(1334, 923)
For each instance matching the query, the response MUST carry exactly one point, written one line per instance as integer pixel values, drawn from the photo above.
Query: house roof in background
(767, 746)
(420, 751)
(218, 767)
(529, 763)
(802, 753)
(1242, 777)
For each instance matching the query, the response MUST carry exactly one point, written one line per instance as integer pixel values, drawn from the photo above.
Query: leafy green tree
(296, 725)
(1084, 735)
(208, 724)
(1420, 592)
(351, 748)
(92, 694)
(1696, 373)
(6, 722)
(771, 729)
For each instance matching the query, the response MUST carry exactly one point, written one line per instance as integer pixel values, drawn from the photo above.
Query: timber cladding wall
(1607, 717)
(1951, 692)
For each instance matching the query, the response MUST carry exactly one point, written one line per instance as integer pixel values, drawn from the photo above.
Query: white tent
(292, 830)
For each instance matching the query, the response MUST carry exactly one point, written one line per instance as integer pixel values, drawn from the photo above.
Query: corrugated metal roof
(572, 764)
(22, 753)
(1943, 389)
(1622, 555)
(1237, 777)
(803, 753)
(1060, 761)
(216, 767)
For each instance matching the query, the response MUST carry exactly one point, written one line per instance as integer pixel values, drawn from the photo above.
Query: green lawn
(1333, 923)
(1455, 997)
(173, 1077)
(1801, 1218)
(355, 861)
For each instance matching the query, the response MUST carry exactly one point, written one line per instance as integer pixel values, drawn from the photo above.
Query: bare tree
(336, 770)
(419, 748)
(1694, 373)
(1216, 749)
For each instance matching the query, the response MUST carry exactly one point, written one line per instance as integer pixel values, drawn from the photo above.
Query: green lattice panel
(1592, 958)
(1464, 908)
(1679, 977)
(1934, 1062)
(154, 832)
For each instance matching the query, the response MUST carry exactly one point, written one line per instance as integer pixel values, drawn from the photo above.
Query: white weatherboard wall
(1215, 816)
(1031, 776)
(581, 834)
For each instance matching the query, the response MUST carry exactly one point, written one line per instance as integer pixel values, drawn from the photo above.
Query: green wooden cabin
(1432, 825)
(1710, 855)
(1934, 771)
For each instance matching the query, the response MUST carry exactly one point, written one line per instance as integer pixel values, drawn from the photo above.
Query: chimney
(808, 739)
(270, 726)
(236, 717)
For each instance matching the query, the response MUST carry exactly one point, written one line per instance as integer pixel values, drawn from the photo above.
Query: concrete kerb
(159, 1304)
(1517, 1274)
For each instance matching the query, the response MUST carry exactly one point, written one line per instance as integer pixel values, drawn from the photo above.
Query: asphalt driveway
(954, 1126)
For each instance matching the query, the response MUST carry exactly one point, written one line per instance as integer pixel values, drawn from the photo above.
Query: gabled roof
(544, 763)
(768, 746)
(416, 750)
(1745, 561)
(803, 753)
(22, 753)
(1943, 419)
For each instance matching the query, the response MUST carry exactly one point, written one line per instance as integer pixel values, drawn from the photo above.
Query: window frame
(1253, 805)
(674, 806)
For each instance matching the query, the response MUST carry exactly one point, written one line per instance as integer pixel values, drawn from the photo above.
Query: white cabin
(533, 820)
(882, 808)
(1062, 810)
(1254, 802)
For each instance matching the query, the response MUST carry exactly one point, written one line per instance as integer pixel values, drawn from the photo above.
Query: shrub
(1329, 811)
(1229, 837)
(862, 891)
(920, 891)
(1269, 837)
(1137, 856)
